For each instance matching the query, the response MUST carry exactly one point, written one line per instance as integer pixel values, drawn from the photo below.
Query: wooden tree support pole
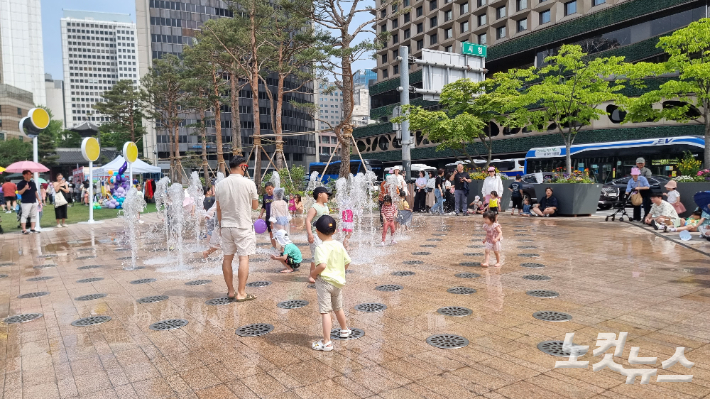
(329, 159)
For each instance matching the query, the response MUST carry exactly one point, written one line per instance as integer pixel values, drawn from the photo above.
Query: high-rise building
(98, 50)
(365, 77)
(55, 98)
(21, 55)
(166, 27)
(14, 104)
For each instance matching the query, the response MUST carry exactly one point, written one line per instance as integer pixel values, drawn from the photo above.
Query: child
(332, 260)
(494, 234)
(527, 209)
(279, 211)
(299, 204)
(493, 202)
(290, 256)
(690, 224)
(403, 204)
(268, 198)
(212, 231)
(348, 222)
(673, 197)
(477, 205)
(389, 213)
(318, 210)
(404, 214)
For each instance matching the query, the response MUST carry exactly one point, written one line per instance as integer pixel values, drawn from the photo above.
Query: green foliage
(14, 150)
(372, 130)
(111, 135)
(392, 84)
(689, 166)
(294, 185)
(122, 104)
(46, 141)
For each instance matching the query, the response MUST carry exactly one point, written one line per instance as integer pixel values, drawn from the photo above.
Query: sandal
(345, 333)
(320, 346)
(249, 297)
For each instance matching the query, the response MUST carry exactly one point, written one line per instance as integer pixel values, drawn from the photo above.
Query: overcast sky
(51, 35)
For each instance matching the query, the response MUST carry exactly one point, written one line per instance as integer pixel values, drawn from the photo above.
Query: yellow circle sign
(90, 149)
(39, 118)
(130, 152)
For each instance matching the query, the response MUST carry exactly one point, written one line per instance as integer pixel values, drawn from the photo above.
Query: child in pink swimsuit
(347, 220)
(494, 234)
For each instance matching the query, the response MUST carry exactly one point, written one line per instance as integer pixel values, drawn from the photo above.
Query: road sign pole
(404, 100)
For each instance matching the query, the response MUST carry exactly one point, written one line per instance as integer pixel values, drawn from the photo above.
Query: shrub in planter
(576, 192)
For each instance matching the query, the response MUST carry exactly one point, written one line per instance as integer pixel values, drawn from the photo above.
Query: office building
(365, 77)
(21, 54)
(98, 50)
(519, 34)
(55, 98)
(14, 104)
(166, 27)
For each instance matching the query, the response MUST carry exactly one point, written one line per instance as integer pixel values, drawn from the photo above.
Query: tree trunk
(203, 135)
(254, 82)
(278, 130)
(568, 157)
(706, 111)
(218, 120)
(236, 120)
(345, 136)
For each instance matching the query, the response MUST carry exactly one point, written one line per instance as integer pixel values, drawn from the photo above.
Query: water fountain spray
(197, 193)
(133, 205)
(176, 214)
(161, 199)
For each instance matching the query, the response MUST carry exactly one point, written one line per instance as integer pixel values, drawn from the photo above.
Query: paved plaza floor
(606, 277)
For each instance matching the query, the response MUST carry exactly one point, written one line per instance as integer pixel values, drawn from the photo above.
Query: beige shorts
(29, 210)
(241, 242)
(330, 298)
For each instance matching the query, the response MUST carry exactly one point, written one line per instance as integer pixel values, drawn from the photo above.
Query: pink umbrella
(19, 167)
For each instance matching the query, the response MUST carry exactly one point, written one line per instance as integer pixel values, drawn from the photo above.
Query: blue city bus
(607, 161)
(355, 168)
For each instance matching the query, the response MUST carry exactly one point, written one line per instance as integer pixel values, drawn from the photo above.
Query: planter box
(573, 198)
(687, 191)
(475, 187)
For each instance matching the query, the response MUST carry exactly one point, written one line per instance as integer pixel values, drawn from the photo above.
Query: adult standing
(430, 197)
(51, 192)
(8, 189)
(401, 184)
(420, 196)
(61, 188)
(638, 185)
(516, 194)
(460, 180)
(30, 198)
(439, 192)
(491, 183)
(641, 165)
(78, 187)
(548, 204)
(236, 197)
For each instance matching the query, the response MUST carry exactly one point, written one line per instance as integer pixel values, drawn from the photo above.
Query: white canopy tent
(138, 167)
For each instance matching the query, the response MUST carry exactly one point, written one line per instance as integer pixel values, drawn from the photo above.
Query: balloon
(111, 205)
(110, 172)
(260, 226)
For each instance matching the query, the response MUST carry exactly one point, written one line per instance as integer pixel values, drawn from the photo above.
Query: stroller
(622, 201)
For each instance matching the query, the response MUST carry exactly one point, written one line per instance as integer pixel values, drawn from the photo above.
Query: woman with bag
(638, 188)
(61, 189)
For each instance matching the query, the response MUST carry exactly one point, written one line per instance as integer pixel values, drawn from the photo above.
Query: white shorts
(29, 211)
(241, 242)
(316, 243)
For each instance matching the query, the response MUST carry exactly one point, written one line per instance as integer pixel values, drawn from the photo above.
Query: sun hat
(491, 169)
(477, 198)
(281, 236)
(635, 171)
(640, 160)
(672, 185)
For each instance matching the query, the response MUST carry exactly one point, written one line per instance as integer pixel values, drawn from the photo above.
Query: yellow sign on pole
(90, 149)
(39, 118)
(130, 152)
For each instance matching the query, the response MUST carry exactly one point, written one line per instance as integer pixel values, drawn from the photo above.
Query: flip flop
(232, 298)
(249, 297)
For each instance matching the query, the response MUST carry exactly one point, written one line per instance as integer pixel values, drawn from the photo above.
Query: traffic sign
(474, 49)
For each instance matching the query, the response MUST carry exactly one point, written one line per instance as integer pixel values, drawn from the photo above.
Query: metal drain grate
(45, 266)
(292, 304)
(522, 235)
(6, 264)
(413, 262)
(389, 287)
(22, 318)
(219, 301)
(169, 324)
(403, 273)
(124, 258)
(556, 348)
(537, 277)
(258, 283)
(47, 256)
(4, 276)
(471, 264)
(311, 285)
(532, 265)
(254, 330)
(433, 239)
(88, 267)
(427, 246)
(467, 275)
(302, 244)
(40, 278)
(371, 307)
(33, 295)
(475, 246)
(461, 291)
(527, 246)
(258, 260)
(473, 254)
(84, 249)
(421, 253)
(543, 293)
(144, 281)
(455, 311)
(152, 299)
(355, 334)
(198, 282)
(85, 257)
(90, 297)
(447, 341)
(526, 240)
(529, 255)
(550, 315)
(90, 321)
(90, 280)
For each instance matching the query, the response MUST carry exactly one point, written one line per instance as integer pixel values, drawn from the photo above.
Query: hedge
(372, 130)
(377, 113)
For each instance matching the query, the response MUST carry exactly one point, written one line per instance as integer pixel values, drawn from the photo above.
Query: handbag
(59, 199)
(636, 199)
(678, 206)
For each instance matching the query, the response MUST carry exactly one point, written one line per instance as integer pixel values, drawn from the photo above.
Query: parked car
(611, 191)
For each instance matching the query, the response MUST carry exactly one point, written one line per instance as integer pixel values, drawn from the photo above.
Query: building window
(448, 33)
(420, 44)
(385, 74)
(420, 27)
(384, 58)
(395, 38)
(395, 70)
(598, 2)
(482, 3)
(405, 3)
(420, 11)
(544, 17)
(394, 8)
(383, 13)
(432, 5)
(433, 39)
(482, 39)
(522, 4)
(395, 23)
(482, 19)
(406, 18)
(449, 49)
(522, 25)
(500, 12)
(19, 111)
(500, 32)
(464, 27)
(395, 54)
(432, 22)
(463, 8)
(571, 8)
(383, 28)
(407, 33)
(448, 15)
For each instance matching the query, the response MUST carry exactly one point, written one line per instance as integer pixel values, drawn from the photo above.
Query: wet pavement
(588, 276)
